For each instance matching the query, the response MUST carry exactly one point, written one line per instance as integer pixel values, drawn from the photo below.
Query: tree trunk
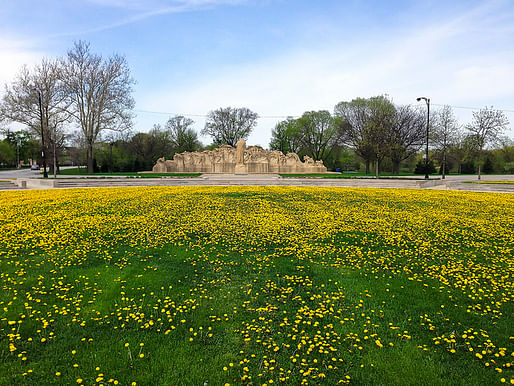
(367, 166)
(90, 168)
(444, 166)
(110, 160)
(396, 167)
(479, 163)
(377, 165)
(55, 158)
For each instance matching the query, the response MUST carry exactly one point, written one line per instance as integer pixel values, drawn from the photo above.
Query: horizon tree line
(94, 94)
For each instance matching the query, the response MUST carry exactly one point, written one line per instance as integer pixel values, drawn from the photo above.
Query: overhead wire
(296, 116)
(206, 115)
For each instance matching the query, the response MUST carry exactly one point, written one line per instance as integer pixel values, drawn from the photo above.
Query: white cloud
(426, 61)
(139, 10)
(15, 53)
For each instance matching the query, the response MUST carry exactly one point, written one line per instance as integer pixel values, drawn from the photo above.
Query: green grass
(83, 172)
(10, 169)
(279, 276)
(354, 176)
(491, 182)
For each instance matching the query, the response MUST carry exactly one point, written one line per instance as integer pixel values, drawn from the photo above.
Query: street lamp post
(43, 153)
(427, 101)
(17, 152)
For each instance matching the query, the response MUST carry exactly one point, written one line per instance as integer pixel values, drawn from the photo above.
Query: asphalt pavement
(25, 173)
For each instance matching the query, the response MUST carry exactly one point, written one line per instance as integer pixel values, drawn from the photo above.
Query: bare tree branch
(99, 93)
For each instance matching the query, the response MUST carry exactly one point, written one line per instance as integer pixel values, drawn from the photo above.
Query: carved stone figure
(240, 150)
(308, 160)
(240, 160)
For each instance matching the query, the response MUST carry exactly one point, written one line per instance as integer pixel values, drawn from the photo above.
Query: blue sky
(278, 57)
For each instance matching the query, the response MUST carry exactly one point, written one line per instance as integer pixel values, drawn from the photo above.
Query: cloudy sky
(278, 57)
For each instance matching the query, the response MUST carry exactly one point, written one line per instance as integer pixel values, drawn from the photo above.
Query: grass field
(261, 285)
(83, 172)
(355, 176)
(493, 182)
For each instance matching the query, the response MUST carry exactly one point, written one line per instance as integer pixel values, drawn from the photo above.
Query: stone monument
(240, 167)
(239, 160)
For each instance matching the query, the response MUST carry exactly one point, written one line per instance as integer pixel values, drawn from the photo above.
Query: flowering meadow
(256, 285)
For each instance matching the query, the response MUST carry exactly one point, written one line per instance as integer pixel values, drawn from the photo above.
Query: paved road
(25, 173)
(20, 173)
(452, 182)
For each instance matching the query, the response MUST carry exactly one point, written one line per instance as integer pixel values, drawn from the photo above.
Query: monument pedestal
(240, 169)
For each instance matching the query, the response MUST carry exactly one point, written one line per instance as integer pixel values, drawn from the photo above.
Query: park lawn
(261, 285)
(83, 172)
(355, 176)
(492, 182)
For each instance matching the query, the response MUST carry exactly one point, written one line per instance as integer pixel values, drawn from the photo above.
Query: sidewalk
(450, 183)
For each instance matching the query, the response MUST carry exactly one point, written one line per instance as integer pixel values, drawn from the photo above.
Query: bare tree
(20, 104)
(370, 123)
(486, 127)
(228, 125)
(182, 136)
(355, 114)
(407, 135)
(444, 134)
(99, 93)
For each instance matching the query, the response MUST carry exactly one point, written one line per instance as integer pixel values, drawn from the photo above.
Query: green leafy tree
(26, 147)
(7, 154)
(420, 167)
(285, 137)
(488, 164)
(462, 150)
(319, 133)
(370, 123)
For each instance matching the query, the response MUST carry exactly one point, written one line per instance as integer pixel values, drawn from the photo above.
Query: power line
(296, 116)
(167, 113)
(205, 115)
(471, 108)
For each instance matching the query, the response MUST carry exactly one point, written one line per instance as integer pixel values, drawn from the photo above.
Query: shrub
(420, 167)
(468, 167)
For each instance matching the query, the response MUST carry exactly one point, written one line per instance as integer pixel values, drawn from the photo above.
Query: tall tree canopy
(319, 133)
(408, 134)
(227, 125)
(284, 137)
(370, 122)
(486, 127)
(99, 93)
(444, 134)
(181, 134)
(20, 103)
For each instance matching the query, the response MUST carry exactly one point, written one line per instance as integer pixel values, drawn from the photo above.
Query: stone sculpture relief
(238, 160)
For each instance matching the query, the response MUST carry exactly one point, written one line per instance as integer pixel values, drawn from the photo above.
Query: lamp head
(418, 99)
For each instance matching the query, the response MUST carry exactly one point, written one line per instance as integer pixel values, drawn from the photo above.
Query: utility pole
(43, 153)
(427, 101)
(55, 156)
